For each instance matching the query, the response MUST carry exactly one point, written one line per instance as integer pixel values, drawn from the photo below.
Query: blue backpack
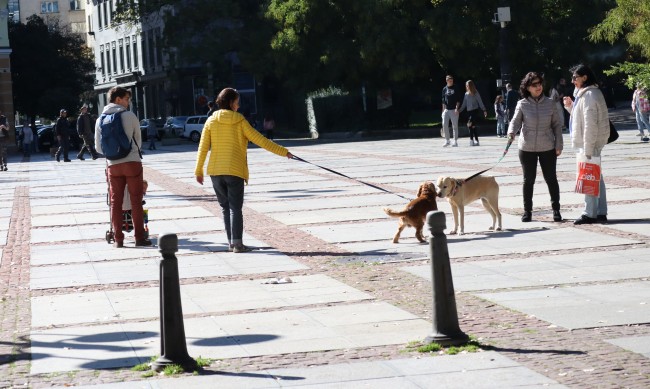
(115, 143)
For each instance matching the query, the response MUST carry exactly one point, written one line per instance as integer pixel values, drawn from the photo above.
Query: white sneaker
(447, 144)
(476, 143)
(455, 144)
(640, 133)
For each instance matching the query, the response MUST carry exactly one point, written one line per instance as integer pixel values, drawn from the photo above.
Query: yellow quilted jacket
(226, 135)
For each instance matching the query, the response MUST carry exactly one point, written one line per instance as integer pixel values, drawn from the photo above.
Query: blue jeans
(642, 120)
(597, 205)
(230, 195)
(501, 125)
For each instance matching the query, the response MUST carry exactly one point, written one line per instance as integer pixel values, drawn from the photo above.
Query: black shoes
(142, 243)
(556, 216)
(81, 158)
(66, 160)
(527, 216)
(600, 218)
(584, 219)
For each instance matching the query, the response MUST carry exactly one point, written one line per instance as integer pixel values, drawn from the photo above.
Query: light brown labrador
(460, 193)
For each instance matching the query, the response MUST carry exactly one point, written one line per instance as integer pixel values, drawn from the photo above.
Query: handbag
(588, 175)
(613, 134)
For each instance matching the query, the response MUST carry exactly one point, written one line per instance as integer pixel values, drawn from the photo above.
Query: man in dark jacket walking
(86, 132)
(62, 129)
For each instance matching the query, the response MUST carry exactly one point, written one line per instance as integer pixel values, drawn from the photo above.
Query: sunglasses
(536, 84)
(575, 77)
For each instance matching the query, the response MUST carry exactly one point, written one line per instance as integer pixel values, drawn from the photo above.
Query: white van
(194, 127)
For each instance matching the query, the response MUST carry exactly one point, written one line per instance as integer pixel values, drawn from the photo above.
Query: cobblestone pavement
(577, 358)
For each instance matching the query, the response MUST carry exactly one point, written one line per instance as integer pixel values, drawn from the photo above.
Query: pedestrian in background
(451, 99)
(557, 98)
(28, 138)
(212, 108)
(512, 97)
(540, 139)
(62, 131)
(641, 107)
(4, 139)
(589, 128)
(474, 105)
(500, 112)
(86, 134)
(226, 135)
(269, 125)
(564, 90)
(152, 134)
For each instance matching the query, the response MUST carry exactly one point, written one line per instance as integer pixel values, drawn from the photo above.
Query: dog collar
(458, 183)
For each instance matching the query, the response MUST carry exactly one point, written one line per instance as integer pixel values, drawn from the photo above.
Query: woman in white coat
(589, 127)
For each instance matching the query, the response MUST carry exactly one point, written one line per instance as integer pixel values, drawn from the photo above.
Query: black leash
(483, 171)
(354, 179)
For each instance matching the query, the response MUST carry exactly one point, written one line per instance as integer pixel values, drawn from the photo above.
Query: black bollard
(173, 349)
(446, 331)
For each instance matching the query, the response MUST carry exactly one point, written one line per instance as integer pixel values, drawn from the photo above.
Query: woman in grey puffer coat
(540, 127)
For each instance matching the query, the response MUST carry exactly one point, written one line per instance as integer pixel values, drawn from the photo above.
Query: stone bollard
(173, 349)
(446, 331)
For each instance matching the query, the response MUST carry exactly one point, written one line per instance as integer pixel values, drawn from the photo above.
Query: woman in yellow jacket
(226, 135)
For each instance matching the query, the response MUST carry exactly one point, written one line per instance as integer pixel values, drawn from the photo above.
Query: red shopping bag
(588, 179)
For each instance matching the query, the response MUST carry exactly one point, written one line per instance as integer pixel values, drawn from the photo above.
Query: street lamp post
(502, 17)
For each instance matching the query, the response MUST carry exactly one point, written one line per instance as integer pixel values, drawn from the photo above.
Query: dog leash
(500, 159)
(354, 179)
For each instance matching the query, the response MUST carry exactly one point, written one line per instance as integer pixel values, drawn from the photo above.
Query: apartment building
(129, 56)
(67, 13)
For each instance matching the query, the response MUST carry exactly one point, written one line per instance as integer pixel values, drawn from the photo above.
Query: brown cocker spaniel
(415, 213)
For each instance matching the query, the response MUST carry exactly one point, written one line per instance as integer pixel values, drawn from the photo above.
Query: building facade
(67, 13)
(129, 56)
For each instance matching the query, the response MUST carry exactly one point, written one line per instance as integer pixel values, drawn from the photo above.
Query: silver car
(194, 127)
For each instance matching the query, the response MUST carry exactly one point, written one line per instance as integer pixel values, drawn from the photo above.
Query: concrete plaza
(552, 304)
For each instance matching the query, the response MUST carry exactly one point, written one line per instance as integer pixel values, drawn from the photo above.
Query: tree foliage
(628, 21)
(311, 44)
(51, 68)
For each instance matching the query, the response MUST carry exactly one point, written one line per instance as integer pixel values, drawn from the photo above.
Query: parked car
(46, 139)
(144, 126)
(194, 128)
(175, 125)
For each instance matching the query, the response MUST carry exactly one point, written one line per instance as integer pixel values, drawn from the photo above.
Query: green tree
(628, 21)
(51, 68)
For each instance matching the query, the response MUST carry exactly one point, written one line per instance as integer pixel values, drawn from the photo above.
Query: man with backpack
(117, 136)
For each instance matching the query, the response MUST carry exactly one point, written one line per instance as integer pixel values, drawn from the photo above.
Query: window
(76, 5)
(48, 7)
(114, 58)
(108, 60)
(135, 53)
(128, 54)
(101, 56)
(159, 43)
(121, 44)
(105, 14)
(99, 17)
(152, 50)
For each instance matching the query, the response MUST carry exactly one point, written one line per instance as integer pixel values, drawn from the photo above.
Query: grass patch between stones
(471, 346)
